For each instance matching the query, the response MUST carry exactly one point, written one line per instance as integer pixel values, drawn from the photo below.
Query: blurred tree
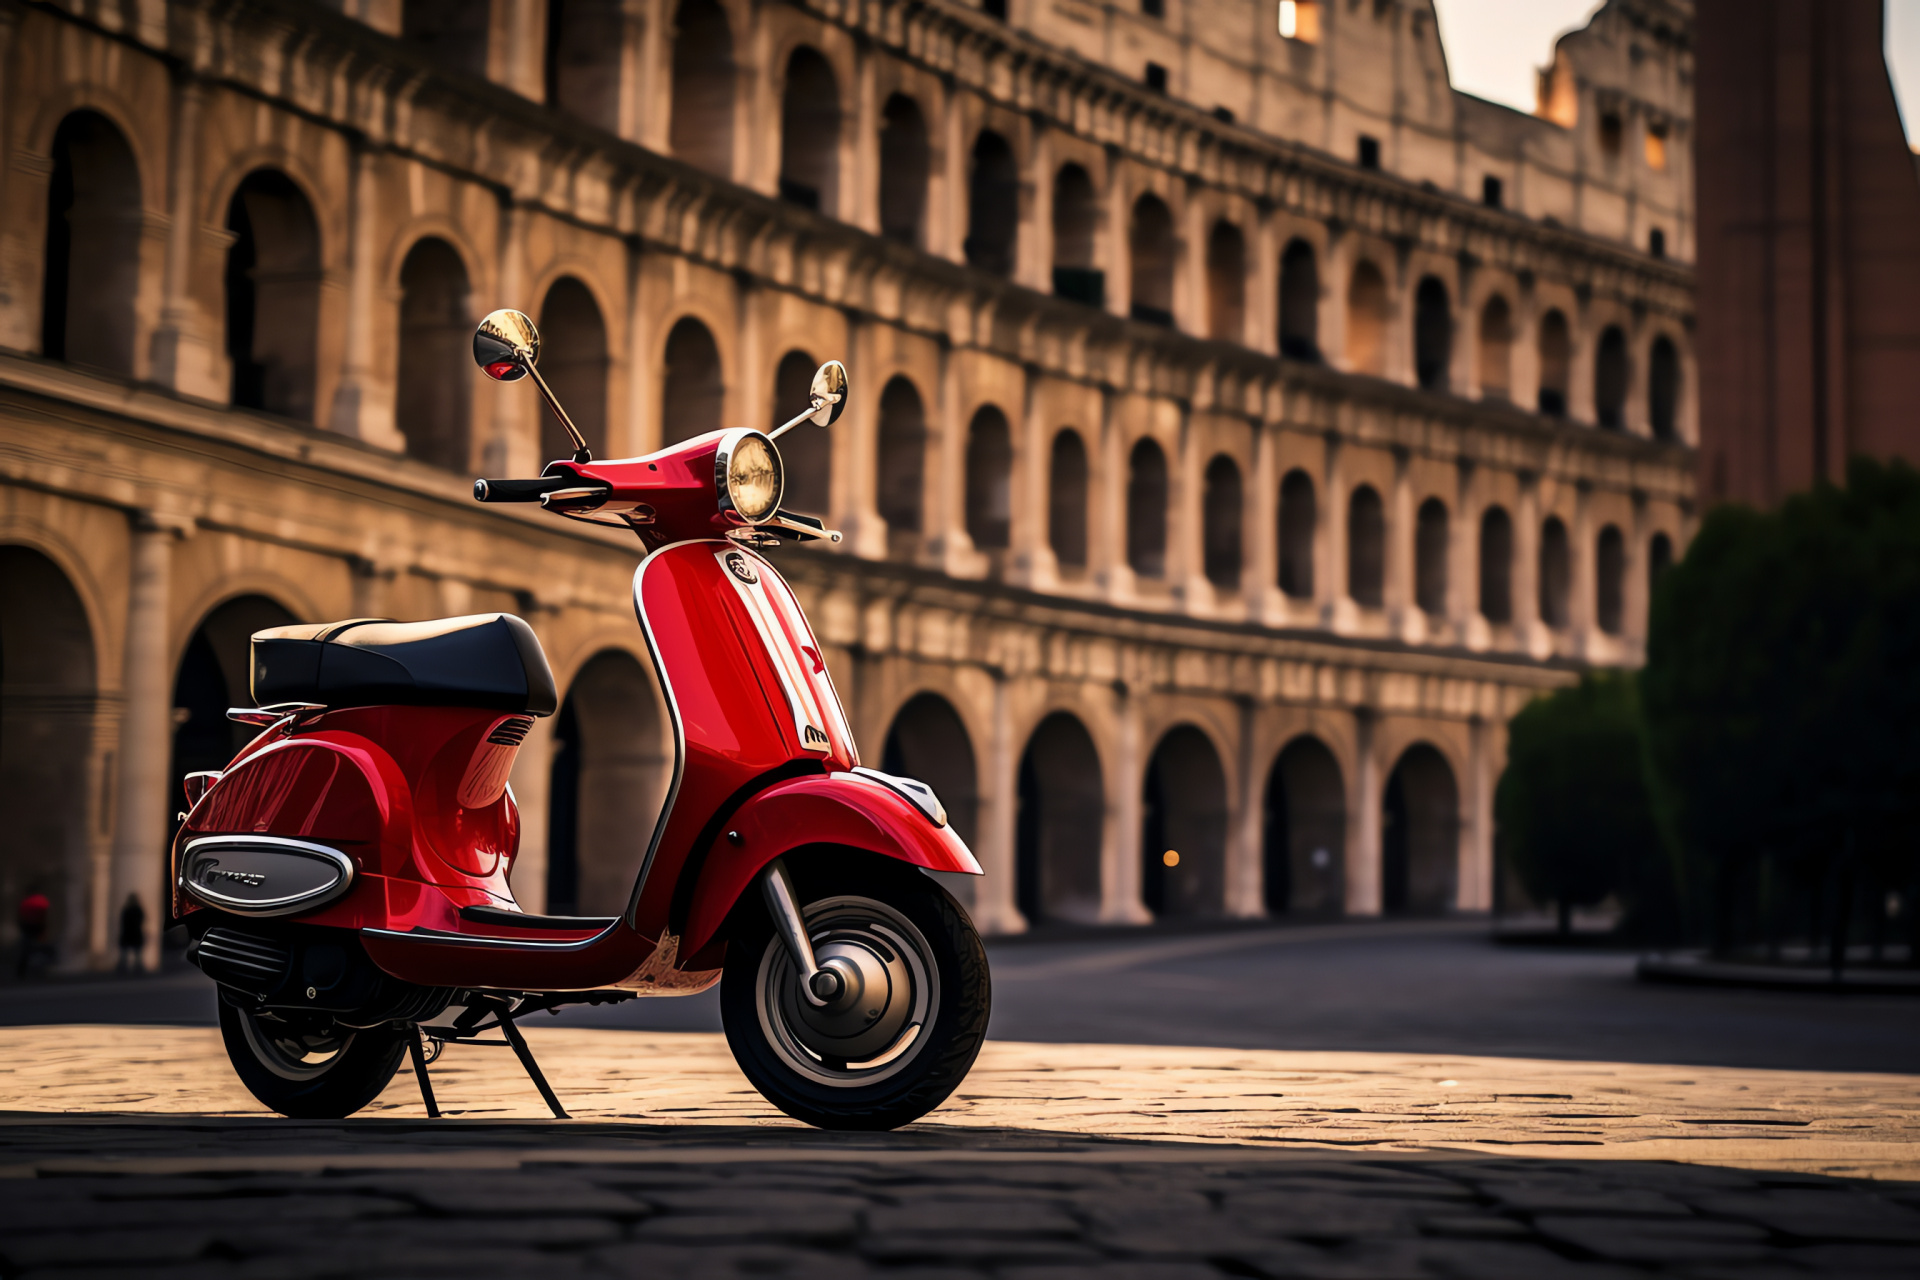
(1574, 814)
(1782, 701)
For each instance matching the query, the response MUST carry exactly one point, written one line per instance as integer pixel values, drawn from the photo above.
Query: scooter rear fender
(841, 809)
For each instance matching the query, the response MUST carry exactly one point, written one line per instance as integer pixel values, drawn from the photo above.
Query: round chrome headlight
(751, 477)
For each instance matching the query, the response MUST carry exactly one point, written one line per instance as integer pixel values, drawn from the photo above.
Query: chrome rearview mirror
(825, 400)
(506, 346)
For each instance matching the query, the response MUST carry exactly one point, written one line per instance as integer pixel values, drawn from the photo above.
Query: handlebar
(520, 490)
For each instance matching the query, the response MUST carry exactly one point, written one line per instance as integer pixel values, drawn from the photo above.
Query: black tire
(947, 985)
(348, 1069)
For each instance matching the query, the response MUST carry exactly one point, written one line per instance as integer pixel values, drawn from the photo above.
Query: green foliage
(1575, 817)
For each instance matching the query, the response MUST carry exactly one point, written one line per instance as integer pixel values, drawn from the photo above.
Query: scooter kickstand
(419, 1053)
(533, 1068)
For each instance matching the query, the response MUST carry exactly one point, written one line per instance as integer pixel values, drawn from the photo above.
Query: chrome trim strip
(272, 906)
(492, 944)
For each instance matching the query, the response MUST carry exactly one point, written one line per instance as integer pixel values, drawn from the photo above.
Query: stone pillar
(510, 411)
(860, 168)
(1031, 561)
(1337, 609)
(363, 402)
(944, 521)
(1529, 631)
(947, 189)
(1582, 615)
(1245, 846)
(1120, 843)
(1107, 503)
(1263, 283)
(517, 47)
(1119, 257)
(1260, 531)
(651, 92)
(1463, 560)
(1363, 834)
(532, 783)
(856, 450)
(995, 909)
(1639, 590)
(1033, 247)
(146, 735)
(1474, 885)
(1186, 557)
(1403, 611)
(185, 350)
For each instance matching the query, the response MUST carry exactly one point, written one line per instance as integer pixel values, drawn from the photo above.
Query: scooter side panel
(838, 809)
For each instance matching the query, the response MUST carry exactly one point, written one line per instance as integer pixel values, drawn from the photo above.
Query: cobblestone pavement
(132, 1150)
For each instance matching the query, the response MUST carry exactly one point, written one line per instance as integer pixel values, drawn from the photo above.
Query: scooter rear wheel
(323, 1072)
(893, 1046)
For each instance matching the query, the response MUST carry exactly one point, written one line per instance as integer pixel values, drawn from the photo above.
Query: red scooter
(346, 880)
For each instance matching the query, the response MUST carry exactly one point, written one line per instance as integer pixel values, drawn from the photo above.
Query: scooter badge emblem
(742, 568)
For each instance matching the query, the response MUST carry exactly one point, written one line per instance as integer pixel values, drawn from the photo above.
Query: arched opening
(1610, 379)
(1556, 364)
(1061, 815)
(701, 132)
(1299, 302)
(573, 359)
(1496, 566)
(1226, 283)
(1367, 320)
(1610, 580)
(216, 672)
(1152, 252)
(1067, 500)
(451, 32)
(810, 133)
(1432, 334)
(989, 479)
(1184, 826)
(432, 405)
(1556, 573)
(93, 246)
(1663, 389)
(1496, 349)
(47, 691)
(902, 464)
(1147, 510)
(1420, 835)
(273, 295)
(1430, 539)
(1220, 523)
(993, 205)
(904, 165)
(1076, 219)
(611, 770)
(807, 450)
(693, 392)
(1298, 521)
(928, 741)
(1305, 832)
(584, 43)
(1366, 547)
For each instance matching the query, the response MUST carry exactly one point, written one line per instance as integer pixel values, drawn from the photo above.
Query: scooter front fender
(841, 809)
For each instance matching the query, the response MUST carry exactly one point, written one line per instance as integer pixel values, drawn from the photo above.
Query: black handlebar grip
(518, 490)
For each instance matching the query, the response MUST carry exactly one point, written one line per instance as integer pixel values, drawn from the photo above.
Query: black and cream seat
(487, 660)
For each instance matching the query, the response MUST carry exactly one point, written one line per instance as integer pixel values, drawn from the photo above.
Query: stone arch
(900, 486)
(432, 406)
(1062, 810)
(989, 497)
(810, 133)
(273, 295)
(1611, 375)
(1366, 547)
(1420, 834)
(1067, 477)
(1147, 509)
(214, 672)
(1299, 521)
(94, 221)
(693, 390)
(807, 450)
(48, 684)
(1226, 283)
(1556, 363)
(1610, 580)
(611, 770)
(1185, 814)
(1220, 522)
(1367, 320)
(1496, 566)
(905, 164)
(584, 43)
(1299, 302)
(575, 359)
(1496, 349)
(1663, 389)
(1152, 258)
(1076, 225)
(928, 740)
(993, 205)
(1556, 573)
(1305, 832)
(451, 32)
(701, 123)
(1432, 334)
(1432, 532)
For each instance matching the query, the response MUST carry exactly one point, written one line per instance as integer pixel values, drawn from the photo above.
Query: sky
(1493, 47)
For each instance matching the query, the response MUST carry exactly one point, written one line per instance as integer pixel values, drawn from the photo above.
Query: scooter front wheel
(317, 1071)
(900, 1036)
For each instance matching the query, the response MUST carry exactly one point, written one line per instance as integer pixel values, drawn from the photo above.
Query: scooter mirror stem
(506, 346)
(820, 986)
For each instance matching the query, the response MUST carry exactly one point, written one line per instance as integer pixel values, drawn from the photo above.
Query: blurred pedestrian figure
(32, 915)
(133, 935)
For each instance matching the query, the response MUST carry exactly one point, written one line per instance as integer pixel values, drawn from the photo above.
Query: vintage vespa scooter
(346, 880)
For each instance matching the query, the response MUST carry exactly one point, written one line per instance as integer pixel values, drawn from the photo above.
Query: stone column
(363, 402)
(995, 909)
(1403, 611)
(1529, 631)
(1120, 843)
(856, 450)
(1033, 249)
(1260, 531)
(1363, 834)
(860, 169)
(1186, 557)
(141, 808)
(1463, 560)
(517, 47)
(532, 782)
(185, 350)
(1031, 561)
(650, 123)
(1245, 891)
(1474, 888)
(510, 411)
(1582, 616)
(1263, 284)
(1639, 590)
(1337, 610)
(944, 521)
